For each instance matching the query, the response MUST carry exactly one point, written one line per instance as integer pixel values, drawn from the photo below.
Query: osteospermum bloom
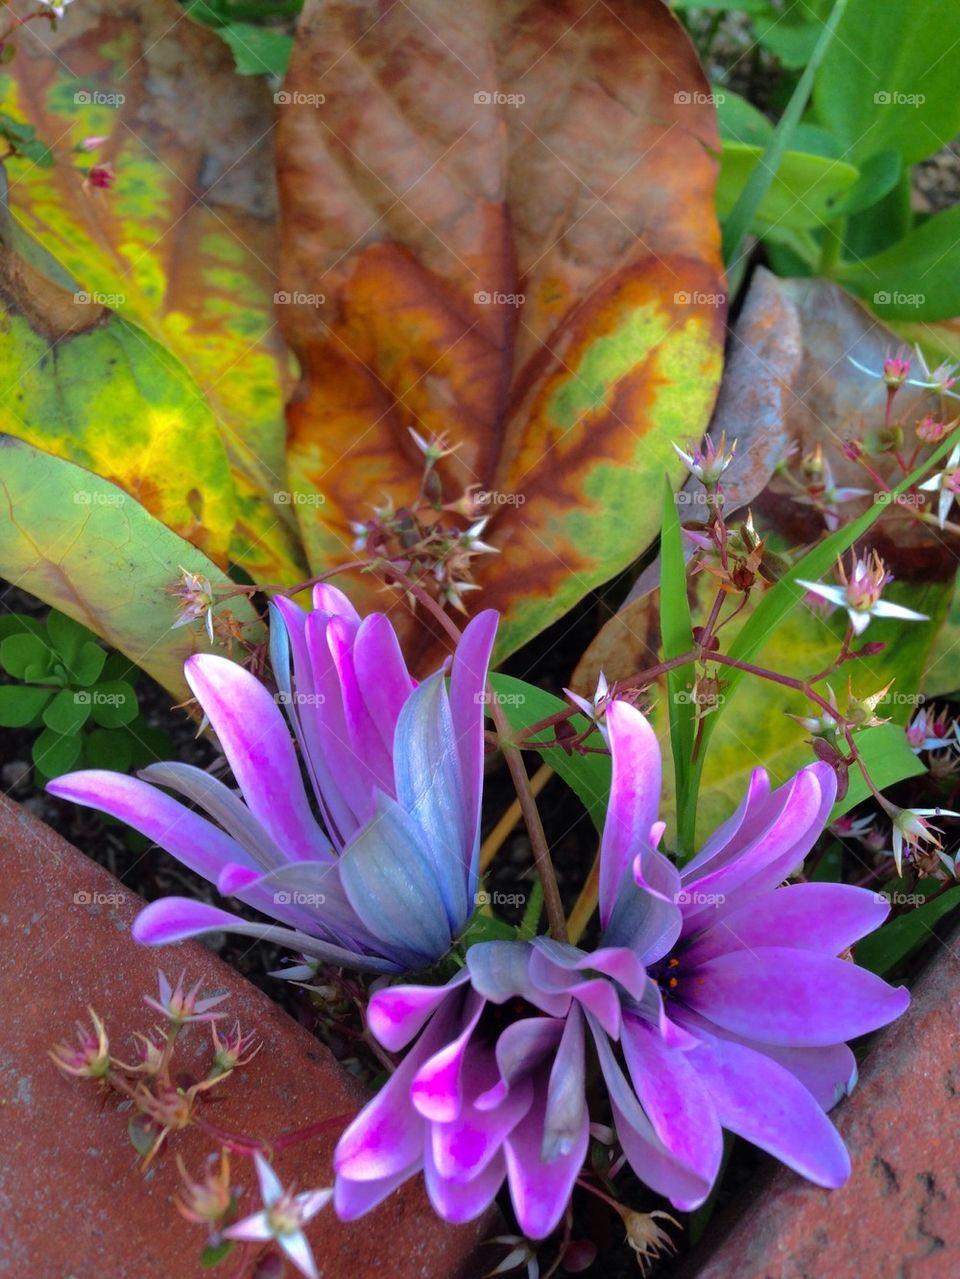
(389, 879)
(714, 1000)
(860, 593)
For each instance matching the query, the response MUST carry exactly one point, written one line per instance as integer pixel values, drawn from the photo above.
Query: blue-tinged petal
(174, 919)
(468, 680)
(429, 788)
(353, 1199)
(193, 840)
(390, 881)
(500, 970)
(643, 921)
(566, 1091)
(634, 798)
(223, 805)
(731, 836)
(256, 742)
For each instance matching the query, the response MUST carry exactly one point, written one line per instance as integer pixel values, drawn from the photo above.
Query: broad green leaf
(21, 704)
(885, 948)
(88, 664)
(114, 704)
(104, 560)
(879, 175)
(587, 775)
(804, 193)
(676, 634)
(20, 652)
(739, 120)
(68, 712)
(182, 246)
(888, 80)
(55, 753)
(916, 279)
(67, 636)
(561, 341)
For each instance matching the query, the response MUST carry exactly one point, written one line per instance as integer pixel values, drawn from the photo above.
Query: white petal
(310, 1202)
(883, 608)
(255, 1227)
(298, 1250)
(859, 620)
(270, 1187)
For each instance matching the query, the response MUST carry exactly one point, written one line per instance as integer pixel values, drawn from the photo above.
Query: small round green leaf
(21, 704)
(68, 712)
(18, 652)
(114, 703)
(54, 754)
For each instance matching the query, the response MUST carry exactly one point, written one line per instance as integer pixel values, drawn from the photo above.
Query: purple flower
(715, 1000)
(388, 881)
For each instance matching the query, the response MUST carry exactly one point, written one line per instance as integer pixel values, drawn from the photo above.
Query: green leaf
(54, 754)
(739, 120)
(88, 664)
(487, 928)
(754, 191)
(916, 279)
(879, 174)
(213, 1254)
(530, 924)
(885, 948)
(20, 623)
(114, 704)
(20, 652)
(676, 630)
(68, 712)
(258, 50)
(587, 775)
(106, 561)
(21, 704)
(67, 636)
(805, 191)
(888, 81)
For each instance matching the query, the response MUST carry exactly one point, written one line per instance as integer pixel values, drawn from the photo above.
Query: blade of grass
(756, 186)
